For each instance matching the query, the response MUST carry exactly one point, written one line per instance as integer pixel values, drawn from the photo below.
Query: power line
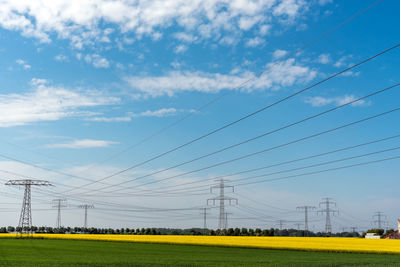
(254, 138)
(271, 148)
(177, 191)
(242, 118)
(293, 53)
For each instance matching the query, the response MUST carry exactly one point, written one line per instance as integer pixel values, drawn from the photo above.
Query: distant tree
(10, 229)
(237, 232)
(244, 231)
(257, 231)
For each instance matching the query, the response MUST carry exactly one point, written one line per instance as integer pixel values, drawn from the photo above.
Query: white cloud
(319, 101)
(61, 58)
(324, 59)
(276, 75)
(264, 29)
(180, 49)
(110, 119)
(279, 53)
(342, 61)
(97, 61)
(37, 81)
(185, 37)
(253, 42)
(47, 103)
(164, 112)
(84, 143)
(81, 21)
(23, 63)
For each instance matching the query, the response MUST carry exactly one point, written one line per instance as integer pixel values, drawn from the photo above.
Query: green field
(35, 252)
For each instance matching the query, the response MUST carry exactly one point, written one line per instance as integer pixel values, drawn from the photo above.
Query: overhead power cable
(257, 137)
(265, 150)
(243, 118)
(320, 171)
(216, 99)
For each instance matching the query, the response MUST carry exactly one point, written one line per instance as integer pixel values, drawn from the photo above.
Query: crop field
(291, 243)
(44, 252)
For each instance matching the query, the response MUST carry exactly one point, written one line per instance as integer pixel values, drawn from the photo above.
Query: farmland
(41, 252)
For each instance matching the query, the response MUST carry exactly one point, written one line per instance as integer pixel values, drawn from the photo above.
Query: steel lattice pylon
(25, 220)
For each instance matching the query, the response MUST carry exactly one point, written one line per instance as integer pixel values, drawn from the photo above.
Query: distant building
(372, 236)
(395, 234)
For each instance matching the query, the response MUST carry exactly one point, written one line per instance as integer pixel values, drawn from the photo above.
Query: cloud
(276, 75)
(61, 58)
(38, 82)
(48, 103)
(319, 101)
(97, 61)
(81, 22)
(180, 49)
(323, 59)
(253, 42)
(279, 53)
(164, 112)
(84, 143)
(23, 63)
(342, 61)
(159, 113)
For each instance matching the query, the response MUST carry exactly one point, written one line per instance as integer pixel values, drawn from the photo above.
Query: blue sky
(84, 81)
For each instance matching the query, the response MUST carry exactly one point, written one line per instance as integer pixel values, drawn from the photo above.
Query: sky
(98, 97)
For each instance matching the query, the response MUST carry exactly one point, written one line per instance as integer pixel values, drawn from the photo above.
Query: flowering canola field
(294, 243)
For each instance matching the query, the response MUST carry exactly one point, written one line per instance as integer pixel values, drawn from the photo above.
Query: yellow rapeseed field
(298, 243)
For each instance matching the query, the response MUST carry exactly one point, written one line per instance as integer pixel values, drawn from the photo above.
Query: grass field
(41, 252)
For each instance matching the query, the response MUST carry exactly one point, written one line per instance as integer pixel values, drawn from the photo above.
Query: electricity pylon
(328, 211)
(86, 207)
(25, 220)
(281, 223)
(59, 203)
(306, 210)
(380, 216)
(222, 222)
(298, 225)
(204, 213)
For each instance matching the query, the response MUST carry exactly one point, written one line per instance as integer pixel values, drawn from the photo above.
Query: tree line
(171, 231)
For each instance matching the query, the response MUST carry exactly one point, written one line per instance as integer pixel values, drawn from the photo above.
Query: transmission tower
(222, 219)
(281, 223)
(298, 225)
(328, 211)
(306, 210)
(25, 220)
(379, 215)
(86, 207)
(353, 229)
(204, 213)
(59, 203)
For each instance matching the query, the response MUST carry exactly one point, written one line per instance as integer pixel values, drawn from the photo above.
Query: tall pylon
(86, 207)
(328, 211)
(222, 219)
(379, 215)
(353, 229)
(306, 209)
(298, 225)
(204, 213)
(59, 203)
(25, 219)
(281, 223)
